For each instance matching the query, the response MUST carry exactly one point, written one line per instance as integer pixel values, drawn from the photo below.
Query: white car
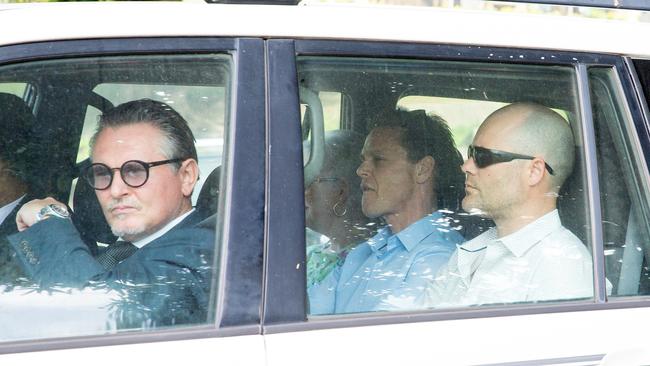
(257, 83)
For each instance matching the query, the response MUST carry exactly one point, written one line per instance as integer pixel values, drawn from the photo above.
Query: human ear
(188, 174)
(424, 169)
(536, 171)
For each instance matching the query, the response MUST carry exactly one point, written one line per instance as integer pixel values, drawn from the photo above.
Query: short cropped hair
(179, 140)
(424, 135)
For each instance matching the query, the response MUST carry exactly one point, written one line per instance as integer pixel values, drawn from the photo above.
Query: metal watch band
(52, 210)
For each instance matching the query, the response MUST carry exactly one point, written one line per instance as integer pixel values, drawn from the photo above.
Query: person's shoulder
(563, 243)
(361, 250)
(193, 231)
(441, 239)
(197, 222)
(197, 233)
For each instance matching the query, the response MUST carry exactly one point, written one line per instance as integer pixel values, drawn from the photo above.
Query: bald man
(519, 159)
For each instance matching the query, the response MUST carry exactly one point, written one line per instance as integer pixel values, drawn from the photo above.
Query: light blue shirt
(387, 266)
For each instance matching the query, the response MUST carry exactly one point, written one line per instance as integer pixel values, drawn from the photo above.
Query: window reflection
(466, 94)
(61, 258)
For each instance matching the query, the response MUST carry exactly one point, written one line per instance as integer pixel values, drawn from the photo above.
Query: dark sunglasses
(485, 157)
(134, 173)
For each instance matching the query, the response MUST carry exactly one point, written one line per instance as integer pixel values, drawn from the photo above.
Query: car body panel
(406, 24)
(237, 350)
(490, 340)
(260, 313)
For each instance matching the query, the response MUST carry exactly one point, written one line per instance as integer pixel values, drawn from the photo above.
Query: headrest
(208, 199)
(15, 115)
(88, 216)
(16, 126)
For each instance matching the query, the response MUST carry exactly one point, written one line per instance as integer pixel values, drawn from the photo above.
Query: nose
(468, 167)
(363, 170)
(118, 188)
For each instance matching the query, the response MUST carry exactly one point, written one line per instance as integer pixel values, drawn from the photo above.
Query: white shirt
(7, 209)
(541, 261)
(148, 239)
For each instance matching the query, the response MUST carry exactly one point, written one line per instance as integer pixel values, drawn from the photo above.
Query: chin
(468, 205)
(370, 214)
(128, 230)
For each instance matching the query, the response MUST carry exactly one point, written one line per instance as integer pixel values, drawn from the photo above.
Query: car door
(217, 85)
(604, 201)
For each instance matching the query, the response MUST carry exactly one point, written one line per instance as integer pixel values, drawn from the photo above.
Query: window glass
(331, 109)
(400, 218)
(622, 178)
(129, 150)
(331, 105)
(17, 89)
(202, 106)
(468, 113)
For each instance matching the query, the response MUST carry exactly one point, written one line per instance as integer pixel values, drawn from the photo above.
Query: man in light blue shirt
(409, 173)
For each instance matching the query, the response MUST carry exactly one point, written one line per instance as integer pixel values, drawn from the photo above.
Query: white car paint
(403, 24)
(236, 351)
(478, 341)
(622, 333)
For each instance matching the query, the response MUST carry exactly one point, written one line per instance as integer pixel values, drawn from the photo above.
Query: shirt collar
(525, 238)
(8, 208)
(412, 235)
(470, 253)
(518, 243)
(148, 239)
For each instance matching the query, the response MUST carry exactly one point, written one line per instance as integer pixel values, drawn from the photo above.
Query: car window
(202, 106)
(467, 114)
(362, 257)
(132, 145)
(622, 181)
(17, 89)
(331, 104)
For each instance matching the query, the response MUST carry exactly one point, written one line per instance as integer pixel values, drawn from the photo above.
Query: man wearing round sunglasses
(144, 168)
(519, 159)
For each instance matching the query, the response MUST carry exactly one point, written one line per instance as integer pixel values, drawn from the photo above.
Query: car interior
(370, 85)
(65, 100)
(61, 93)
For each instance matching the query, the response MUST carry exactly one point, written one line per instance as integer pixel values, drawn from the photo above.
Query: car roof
(24, 23)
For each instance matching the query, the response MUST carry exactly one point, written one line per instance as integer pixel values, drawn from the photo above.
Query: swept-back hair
(178, 138)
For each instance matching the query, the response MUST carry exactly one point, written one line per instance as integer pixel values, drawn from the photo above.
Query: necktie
(115, 253)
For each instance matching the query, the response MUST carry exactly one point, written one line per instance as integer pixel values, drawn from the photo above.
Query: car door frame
(285, 302)
(240, 228)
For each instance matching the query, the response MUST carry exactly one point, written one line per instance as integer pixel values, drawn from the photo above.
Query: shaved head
(533, 129)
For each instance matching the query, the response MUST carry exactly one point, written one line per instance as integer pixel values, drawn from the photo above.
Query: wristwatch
(52, 210)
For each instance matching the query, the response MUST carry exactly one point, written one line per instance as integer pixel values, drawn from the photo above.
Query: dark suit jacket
(166, 282)
(10, 270)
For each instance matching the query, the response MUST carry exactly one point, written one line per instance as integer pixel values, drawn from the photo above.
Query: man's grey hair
(343, 148)
(178, 141)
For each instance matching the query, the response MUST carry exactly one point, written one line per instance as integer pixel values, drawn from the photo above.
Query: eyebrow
(370, 153)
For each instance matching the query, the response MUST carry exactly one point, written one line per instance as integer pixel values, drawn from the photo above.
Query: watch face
(54, 210)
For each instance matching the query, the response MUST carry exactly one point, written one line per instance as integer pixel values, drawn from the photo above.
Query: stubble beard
(119, 226)
(126, 230)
